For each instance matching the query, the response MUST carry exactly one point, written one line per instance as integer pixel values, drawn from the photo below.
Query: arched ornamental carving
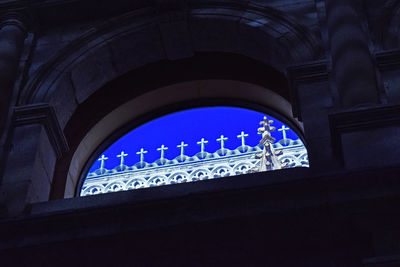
(271, 150)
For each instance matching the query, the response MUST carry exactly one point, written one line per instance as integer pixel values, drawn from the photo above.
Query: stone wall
(332, 65)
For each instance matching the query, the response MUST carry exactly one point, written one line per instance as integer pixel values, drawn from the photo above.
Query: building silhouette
(74, 75)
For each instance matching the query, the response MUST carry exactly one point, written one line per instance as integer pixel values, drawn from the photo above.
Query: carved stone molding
(132, 21)
(359, 120)
(18, 19)
(391, 260)
(388, 60)
(310, 72)
(42, 114)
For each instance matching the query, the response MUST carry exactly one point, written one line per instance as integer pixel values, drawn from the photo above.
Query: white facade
(199, 167)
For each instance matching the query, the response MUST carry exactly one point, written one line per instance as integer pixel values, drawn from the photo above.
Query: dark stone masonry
(73, 73)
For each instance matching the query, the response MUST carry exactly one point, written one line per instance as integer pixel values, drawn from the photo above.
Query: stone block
(46, 155)
(64, 100)
(39, 189)
(316, 124)
(262, 47)
(315, 96)
(371, 148)
(135, 49)
(392, 86)
(320, 155)
(315, 103)
(23, 153)
(30, 166)
(70, 188)
(177, 40)
(212, 33)
(14, 197)
(263, 23)
(92, 71)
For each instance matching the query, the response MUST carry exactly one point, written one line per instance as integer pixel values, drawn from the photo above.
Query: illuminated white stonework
(285, 153)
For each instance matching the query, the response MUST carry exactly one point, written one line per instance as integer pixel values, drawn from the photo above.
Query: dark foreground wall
(337, 220)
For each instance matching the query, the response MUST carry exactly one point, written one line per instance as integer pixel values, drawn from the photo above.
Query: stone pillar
(312, 102)
(36, 142)
(13, 31)
(353, 68)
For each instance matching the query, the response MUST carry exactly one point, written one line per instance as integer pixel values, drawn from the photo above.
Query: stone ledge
(279, 192)
(359, 120)
(42, 114)
(392, 260)
(311, 72)
(19, 19)
(388, 60)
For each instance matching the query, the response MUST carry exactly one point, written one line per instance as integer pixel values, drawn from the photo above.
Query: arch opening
(192, 145)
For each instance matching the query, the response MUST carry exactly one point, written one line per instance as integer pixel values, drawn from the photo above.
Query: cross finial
(222, 140)
(122, 156)
(182, 147)
(266, 121)
(283, 129)
(266, 125)
(202, 143)
(141, 153)
(242, 136)
(102, 159)
(162, 148)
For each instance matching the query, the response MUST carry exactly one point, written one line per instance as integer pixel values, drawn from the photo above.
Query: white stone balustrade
(183, 169)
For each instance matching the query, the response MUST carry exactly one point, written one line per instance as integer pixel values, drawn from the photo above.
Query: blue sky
(189, 126)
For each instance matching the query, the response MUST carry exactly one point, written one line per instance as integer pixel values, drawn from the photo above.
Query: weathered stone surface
(316, 101)
(30, 168)
(92, 71)
(211, 33)
(137, 48)
(13, 198)
(376, 147)
(64, 100)
(256, 44)
(84, 55)
(22, 156)
(176, 39)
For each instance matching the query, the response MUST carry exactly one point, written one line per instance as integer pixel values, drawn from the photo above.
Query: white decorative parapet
(224, 162)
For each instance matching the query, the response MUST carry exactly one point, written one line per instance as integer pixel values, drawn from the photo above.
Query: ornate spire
(268, 157)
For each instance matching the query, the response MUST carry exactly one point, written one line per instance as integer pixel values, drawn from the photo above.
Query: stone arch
(139, 38)
(86, 139)
(139, 41)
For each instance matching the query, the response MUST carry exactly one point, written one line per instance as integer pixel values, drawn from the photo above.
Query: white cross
(182, 147)
(141, 153)
(122, 156)
(222, 140)
(202, 143)
(102, 160)
(243, 137)
(162, 148)
(283, 129)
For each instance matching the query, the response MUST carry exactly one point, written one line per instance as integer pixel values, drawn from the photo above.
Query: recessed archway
(165, 99)
(138, 54)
